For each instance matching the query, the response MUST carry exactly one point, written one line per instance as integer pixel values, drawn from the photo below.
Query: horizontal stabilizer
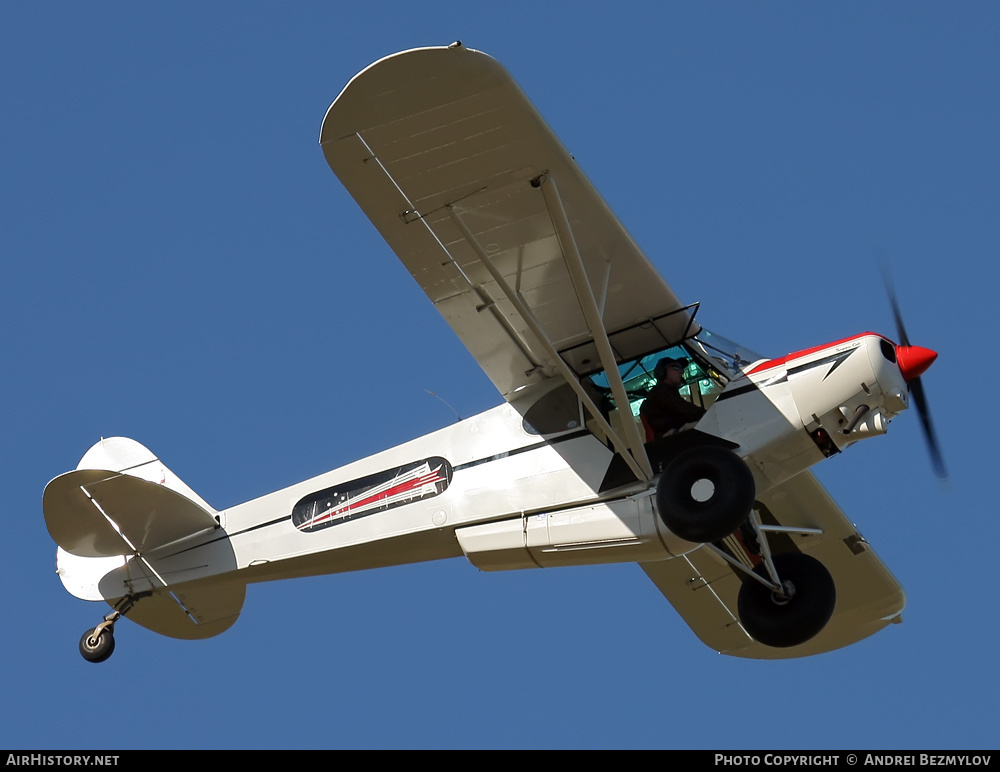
(196, 612)
(127, 526)
(190, 610)
(98, 513)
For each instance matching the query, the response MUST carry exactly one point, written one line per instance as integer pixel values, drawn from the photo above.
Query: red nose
(914, 360)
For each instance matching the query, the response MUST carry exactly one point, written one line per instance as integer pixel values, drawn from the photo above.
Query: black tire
(725, 509)
(779, 622)
(99, 649)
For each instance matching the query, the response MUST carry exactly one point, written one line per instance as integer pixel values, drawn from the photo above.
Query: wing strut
(640, 469)
(592, 315)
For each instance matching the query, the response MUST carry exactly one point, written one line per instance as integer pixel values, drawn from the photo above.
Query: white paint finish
(82, 576)
(406, 153)
(474, 141)
(121, 454)
(623, 530)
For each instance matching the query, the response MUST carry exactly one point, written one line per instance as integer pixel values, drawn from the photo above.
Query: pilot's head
(670, 370)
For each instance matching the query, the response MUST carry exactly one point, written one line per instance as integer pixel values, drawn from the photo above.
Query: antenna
(449, 406)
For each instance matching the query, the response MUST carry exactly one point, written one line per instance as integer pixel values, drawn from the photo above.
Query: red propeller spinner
(914, 361)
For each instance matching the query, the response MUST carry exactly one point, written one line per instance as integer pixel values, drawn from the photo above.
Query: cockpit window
(712, 361)
(729, 355)
(558, 411)
(702, 382)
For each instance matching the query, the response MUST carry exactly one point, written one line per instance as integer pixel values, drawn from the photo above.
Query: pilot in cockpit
(665, 410)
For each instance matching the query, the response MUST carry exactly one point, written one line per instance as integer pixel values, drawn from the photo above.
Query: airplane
(578, 331)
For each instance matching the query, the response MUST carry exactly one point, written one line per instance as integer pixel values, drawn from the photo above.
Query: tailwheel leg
(98, 643)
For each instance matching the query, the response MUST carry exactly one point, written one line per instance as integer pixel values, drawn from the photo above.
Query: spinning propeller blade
(937, 460)
(913, 361)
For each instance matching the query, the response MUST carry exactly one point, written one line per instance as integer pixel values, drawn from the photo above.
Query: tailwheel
(796, 613)
(705, 493)
(98, 644)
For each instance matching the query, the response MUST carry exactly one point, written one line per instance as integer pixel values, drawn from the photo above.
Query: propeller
(913, 361)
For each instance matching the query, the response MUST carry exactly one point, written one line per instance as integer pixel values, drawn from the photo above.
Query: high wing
(464, 180)
(704, 588)
(532, 270)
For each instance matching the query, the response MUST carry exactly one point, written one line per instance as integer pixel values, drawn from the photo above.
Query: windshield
(732, 356)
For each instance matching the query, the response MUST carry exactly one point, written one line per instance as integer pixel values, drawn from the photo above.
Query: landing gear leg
(788, 598)
(98, 643)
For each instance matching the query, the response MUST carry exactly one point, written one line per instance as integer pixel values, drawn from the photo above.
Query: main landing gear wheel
(98, 644)
(796, 615)
(705, 494)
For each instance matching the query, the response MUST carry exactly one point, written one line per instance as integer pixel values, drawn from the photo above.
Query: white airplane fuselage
(491, 488)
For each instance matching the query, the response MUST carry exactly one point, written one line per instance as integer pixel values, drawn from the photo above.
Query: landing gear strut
(98, 643)
(788, 598)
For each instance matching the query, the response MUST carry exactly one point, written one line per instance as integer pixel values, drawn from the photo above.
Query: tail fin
(119, 520)
(120, 454)
(122, 500)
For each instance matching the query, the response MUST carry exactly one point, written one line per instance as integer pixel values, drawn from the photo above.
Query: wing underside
(526, 262)
(704, 588)
(446, 156)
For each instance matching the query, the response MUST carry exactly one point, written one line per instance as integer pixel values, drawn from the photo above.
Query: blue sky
(181, 267)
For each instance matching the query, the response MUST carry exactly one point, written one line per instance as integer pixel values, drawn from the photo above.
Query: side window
(560, 410)
(638, 377)
(701, 386)
(557, 411)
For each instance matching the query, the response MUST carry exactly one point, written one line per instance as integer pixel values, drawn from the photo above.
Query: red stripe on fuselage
(410, 485)
(806, 352)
